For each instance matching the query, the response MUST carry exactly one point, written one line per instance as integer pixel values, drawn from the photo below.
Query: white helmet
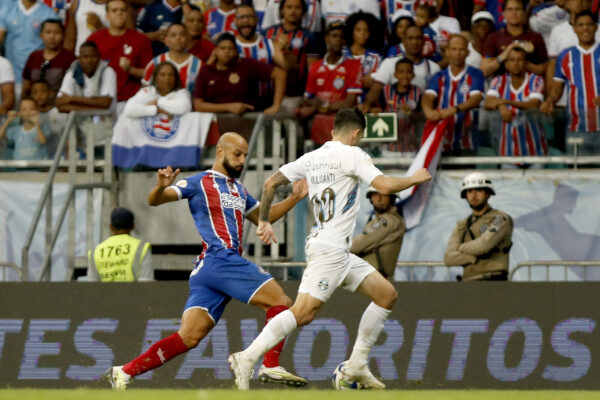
(476, 180)
(372, 190)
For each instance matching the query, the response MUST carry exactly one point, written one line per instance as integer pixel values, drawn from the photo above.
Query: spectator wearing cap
(20, 25)
(154, 20)
(300, 49)
(198, 46)
(424, 68)
(7, 87)
(381, 239)
(121, 257)
(310, 17)
(392, 9)
(340, 10)
(546, 16)
(482, 23)
(50, 63)
(335, 81)
(229, 85)
(401, 20)
(516, 33)
(481, 242)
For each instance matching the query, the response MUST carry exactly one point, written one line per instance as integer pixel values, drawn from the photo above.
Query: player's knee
(387, 296)
(192, 339)
(304, 316)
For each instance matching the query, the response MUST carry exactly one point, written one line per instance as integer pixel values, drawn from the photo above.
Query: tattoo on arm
(276, 180)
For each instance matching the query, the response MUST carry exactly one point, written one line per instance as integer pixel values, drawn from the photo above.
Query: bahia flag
(414, 199)
(158, 141)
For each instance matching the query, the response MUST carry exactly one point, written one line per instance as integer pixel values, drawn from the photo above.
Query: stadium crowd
(423, 59)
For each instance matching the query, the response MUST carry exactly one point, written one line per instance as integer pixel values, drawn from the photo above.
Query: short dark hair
(89, 44)
(121, 218)
(519, 1)
(404, 60)
(586, 13)
(53, 21)
(160, 66)
(226, 36)
(176, 24)
(111, 1)
(349, 118)
(519, 49)
(41, 81)
(304, 7)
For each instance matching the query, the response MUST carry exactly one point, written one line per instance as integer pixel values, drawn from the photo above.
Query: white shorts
(329, 267)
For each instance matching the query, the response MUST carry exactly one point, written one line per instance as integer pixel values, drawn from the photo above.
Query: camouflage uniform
(481, 245)
(380, 242)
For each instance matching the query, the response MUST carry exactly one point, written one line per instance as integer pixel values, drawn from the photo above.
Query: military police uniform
(120, 258)
(481, 243)
(380, 242)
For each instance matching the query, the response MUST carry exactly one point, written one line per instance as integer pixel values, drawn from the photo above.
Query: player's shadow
(551, 223)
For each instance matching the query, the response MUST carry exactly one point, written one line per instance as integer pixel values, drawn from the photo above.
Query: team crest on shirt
(464, 89)
(323, 284)
(296, 43)
(320, 81)
(127, 49)
(182, 183)
(234, 78)
(35, 24)
(159, 127)
(338, 82)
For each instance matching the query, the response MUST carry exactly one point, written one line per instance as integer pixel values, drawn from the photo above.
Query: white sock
(371, 325)
(279, 327)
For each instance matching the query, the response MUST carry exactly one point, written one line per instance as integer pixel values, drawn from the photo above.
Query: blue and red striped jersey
(524, 135)
(451, 91)
(261, 50)
(579, 69)
(218, 21)
(219, 206)
(394, 99)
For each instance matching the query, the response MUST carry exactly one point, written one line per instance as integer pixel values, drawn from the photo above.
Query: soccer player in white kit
(334, 172)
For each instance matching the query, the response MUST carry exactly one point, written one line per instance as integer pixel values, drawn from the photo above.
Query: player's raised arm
(389, 185)
(161, 193)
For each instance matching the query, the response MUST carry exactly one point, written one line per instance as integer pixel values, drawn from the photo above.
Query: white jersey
(333, 173)
(336, 10)
(84, 7)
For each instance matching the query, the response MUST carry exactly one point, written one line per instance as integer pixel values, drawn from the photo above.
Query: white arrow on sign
(380, 127)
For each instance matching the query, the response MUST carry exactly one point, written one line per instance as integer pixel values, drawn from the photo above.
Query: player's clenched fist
(166, 176)
(265, 232)
(421, 175)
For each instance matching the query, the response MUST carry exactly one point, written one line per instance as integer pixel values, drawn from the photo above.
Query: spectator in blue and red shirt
(511, 94)
(452, 94)
(220, 19)
(300, 49)
(578, 68)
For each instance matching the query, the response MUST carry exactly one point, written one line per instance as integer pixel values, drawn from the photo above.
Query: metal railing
(5, 265)
(566, 266)
(45, 201)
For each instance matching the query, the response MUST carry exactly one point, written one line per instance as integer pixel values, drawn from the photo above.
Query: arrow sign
(380, 127)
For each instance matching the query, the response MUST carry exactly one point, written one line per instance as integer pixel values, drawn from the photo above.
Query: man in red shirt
(51, 62)
(498, 44)
(230, 84)
(127, 51)
(333, 82)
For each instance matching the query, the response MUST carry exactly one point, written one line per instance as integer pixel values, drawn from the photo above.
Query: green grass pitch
(291, 394)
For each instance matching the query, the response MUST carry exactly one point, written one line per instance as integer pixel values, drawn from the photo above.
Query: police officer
(121, 258)
(480, 242)
(381, 239)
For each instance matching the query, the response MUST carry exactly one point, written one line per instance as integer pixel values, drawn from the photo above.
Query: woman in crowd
(164, 96)
(363, 41)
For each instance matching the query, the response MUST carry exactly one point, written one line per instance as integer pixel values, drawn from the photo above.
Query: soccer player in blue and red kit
(219, 205)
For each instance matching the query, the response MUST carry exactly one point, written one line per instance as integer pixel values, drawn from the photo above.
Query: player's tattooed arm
(271, 184)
